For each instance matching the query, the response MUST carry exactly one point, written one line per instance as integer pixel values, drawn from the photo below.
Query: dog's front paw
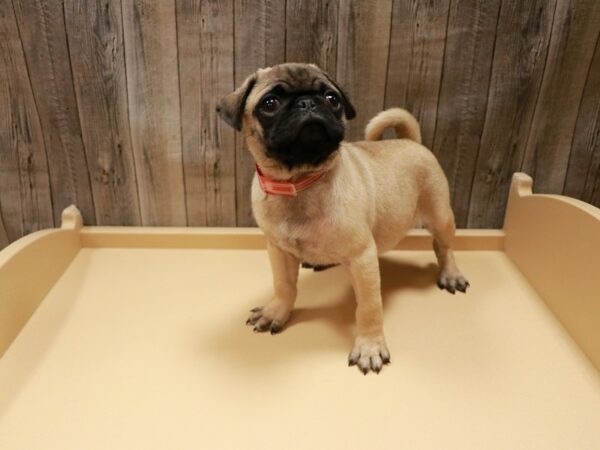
(452, 282)
(369, 354)
(271, 317)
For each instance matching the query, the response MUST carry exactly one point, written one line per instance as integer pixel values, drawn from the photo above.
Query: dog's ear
(349, 110)
(231, 107)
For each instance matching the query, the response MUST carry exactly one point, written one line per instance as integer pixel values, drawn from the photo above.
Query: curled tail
(405, 124)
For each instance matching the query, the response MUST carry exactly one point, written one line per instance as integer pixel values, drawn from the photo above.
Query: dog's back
(401, 177)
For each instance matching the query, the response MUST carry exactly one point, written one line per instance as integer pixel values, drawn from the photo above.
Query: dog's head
(292, 114)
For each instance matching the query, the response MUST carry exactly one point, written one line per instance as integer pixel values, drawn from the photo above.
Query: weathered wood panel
(25, 198)
(4, 241)
(463, 95)
(10, 199)
(110, 104)
(259, 42)
(362, 56)
(574, 35)
(416, 58)
(95, 36)
(154, 115)
(311, 29)
(583, 174)
(516, 78)
(205, 46)
(42, 32)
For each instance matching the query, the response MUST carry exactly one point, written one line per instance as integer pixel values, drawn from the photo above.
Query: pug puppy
(321, 201)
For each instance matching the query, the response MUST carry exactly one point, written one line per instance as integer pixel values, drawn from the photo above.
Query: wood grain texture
(463, 96)
(154, 115)
(259, 42)
(205, 47)
(416, 58)
(95, 36)
(521, 48)
(574, 35)
(28, 203)
(43, 37)
(25, 198)
(10, 199)
(583, 174)
(362, 56)
(4, 240)
(311, 32)
(109, 104)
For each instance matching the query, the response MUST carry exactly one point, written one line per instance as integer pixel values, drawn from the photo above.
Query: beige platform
(130, 338)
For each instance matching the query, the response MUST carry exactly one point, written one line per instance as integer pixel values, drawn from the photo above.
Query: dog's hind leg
(450, 277)
(439, 220)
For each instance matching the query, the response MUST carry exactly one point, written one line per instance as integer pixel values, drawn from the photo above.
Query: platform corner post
(520, 186)
(71, 218)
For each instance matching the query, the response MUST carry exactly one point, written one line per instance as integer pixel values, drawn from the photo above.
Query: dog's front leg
(370, 351)
(275, 314)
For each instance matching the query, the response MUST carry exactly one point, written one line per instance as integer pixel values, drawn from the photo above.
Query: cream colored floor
(147, 349)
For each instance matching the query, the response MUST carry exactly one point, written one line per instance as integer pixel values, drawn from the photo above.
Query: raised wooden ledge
(253, 238)
(553, 240)
(29, 268)
(555, 243)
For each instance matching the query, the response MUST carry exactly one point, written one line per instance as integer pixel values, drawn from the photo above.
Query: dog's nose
(306, 103)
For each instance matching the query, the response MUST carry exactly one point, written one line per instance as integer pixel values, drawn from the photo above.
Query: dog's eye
(333, 99)
(270, 104)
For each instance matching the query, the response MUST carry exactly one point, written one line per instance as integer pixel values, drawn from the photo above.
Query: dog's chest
(297, 227)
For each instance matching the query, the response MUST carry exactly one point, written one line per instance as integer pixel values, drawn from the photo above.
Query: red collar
(286, 188)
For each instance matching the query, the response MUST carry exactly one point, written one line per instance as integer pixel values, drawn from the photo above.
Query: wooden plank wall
(109, 104)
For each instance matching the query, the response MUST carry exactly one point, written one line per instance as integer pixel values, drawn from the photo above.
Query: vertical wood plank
(583, 174)
(311, 32)
(95, 36)
(363, 45)
(42, 31)
(25, 198)
(10, 85)
(416, 57)
(522, 40)
(259, 42)
(10, 184)
(154, 115)
(4, 241)
(464, 95)
(574, 35)
(205, 47)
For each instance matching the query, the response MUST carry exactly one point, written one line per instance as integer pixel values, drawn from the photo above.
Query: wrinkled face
(302, 122)
(296, 111)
